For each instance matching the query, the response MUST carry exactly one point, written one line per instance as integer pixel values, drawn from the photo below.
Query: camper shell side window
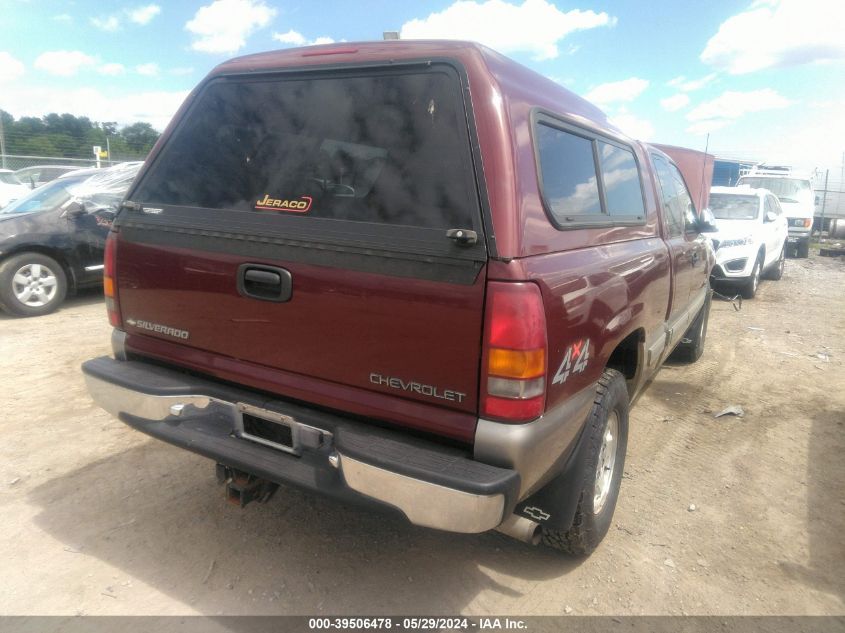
(586, 179)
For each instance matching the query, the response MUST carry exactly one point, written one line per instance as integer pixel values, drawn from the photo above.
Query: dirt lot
(99, 519)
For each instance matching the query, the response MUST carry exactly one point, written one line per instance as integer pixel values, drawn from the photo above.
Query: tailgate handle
(267, 283)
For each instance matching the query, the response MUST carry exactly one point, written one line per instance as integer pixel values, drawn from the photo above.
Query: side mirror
(771, 216)
(75, 209)
(706, 222)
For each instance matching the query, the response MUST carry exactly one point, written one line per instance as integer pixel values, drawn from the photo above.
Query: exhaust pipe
(521, 529)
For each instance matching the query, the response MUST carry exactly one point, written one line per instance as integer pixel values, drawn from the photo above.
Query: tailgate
(305, 223)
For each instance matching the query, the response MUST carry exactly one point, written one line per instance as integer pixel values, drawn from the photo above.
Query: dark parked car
(52, 240)
(415, 275)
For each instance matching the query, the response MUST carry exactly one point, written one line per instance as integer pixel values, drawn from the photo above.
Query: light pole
(2, 143)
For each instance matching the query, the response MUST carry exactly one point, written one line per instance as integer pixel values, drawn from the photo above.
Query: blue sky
(763, 78)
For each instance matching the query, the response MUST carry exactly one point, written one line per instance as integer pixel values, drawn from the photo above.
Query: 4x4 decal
(574, 361)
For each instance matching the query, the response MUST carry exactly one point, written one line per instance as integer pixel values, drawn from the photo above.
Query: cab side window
(773, 205)
(684, 200)
(677, 201)
(671, 208)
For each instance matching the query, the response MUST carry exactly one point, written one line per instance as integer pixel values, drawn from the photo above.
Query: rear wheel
(31, 284)
(776, 271)
(749, 288)
(607, 427)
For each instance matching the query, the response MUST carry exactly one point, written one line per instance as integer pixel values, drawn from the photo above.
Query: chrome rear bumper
(432, 485)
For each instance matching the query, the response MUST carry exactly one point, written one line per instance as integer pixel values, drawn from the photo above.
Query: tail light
(515, 350)
(808, 222)
(110, 280)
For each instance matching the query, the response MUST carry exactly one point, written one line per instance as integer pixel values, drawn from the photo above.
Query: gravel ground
(716, 516)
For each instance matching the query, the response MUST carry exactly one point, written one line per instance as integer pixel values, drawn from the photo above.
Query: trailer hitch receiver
(242, 487)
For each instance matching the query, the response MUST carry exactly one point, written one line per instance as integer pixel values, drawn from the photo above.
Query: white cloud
(295, 38)
(63, 17)
(148, 70)
(109, 23)
(778, 33)
(156, 108)
(730, 106)
(10, 67)
(139, 15)
(63, 63)
(816, 143)
(675, 102)
(633, 126)
(224, 25)
(617, 91)
(535, 26)
(689, 85)
(111, 70)
(142, 15)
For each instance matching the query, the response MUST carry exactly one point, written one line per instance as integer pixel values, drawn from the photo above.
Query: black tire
(803, 248)
(51, 282)
(749, 288)
(589, 526)
(775, 272)
(691, 346)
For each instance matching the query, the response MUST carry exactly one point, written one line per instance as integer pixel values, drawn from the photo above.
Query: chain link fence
(14, 162)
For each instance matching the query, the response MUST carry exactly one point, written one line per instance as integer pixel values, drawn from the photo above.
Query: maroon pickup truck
(414, 275)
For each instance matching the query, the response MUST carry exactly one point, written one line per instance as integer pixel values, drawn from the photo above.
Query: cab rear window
(385, 147)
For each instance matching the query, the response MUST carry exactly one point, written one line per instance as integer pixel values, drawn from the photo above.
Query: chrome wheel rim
(756, 276)
(34, 285)
(606, 462)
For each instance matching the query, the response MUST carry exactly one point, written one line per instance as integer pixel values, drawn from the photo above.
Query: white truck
(795, 192)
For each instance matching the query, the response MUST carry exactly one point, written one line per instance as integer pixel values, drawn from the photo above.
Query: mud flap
(555, 504)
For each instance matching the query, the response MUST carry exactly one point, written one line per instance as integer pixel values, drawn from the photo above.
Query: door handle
(267, 283)
(262, 277)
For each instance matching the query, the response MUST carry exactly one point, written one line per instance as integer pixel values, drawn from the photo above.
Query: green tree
(66, 135)
(140, 137)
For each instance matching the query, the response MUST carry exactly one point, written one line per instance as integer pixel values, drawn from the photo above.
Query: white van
(795, 192)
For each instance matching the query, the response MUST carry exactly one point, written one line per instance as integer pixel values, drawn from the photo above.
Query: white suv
(751, 240)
